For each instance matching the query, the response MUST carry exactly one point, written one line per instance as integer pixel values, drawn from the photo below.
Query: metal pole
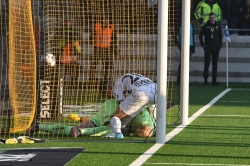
(162, 52)
(185, 44)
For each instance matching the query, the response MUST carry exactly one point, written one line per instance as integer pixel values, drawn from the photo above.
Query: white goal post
(185, 46)
(162, 51)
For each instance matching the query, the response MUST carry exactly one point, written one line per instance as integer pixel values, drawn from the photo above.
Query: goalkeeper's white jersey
(128, 83)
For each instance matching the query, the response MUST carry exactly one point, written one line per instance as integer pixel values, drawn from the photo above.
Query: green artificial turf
(97, 153)
(209, 139)
(219, 136)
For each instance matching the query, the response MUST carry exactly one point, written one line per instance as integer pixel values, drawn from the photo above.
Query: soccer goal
(59, 58)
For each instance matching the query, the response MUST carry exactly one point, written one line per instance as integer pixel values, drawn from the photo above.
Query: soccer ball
(50, 60)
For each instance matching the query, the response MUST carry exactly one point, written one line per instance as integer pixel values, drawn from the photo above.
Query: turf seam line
(144, 157)
(42, 148)
(225, 116)
(191, 164)
(234, 101)
(240, 89)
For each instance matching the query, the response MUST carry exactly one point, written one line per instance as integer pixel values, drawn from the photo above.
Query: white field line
(144, 157)
(195, 164)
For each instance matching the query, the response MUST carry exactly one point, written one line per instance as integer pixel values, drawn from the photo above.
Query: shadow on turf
(166, 155)
(67, 138)
(209, 143)
(218, 127)
(218, 130)
(214, 136)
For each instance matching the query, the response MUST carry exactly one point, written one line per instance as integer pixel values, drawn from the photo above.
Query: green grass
(209, 139)
(97, 153)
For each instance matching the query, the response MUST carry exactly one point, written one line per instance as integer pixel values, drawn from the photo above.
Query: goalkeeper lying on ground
(133, 92)
(141, 125)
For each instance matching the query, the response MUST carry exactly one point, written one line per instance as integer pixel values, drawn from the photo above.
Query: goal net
(94, 42)
(22, 64)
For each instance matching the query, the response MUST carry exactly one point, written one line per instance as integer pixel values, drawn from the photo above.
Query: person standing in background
(204, 8)
(104, 40)
(212, 34)
(244, 18)
(69, 50)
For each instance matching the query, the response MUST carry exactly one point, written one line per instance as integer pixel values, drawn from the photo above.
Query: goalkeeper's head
(143, 131)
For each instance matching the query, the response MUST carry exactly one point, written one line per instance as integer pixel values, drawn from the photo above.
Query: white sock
(115, 124)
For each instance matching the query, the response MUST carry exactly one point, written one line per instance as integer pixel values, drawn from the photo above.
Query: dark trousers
(105, 56)
(214, 51)
(179, 67)
(72, 71)
(100, 78)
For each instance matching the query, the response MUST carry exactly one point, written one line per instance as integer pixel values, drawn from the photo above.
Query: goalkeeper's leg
(51, 128)
(95, 130)
(63, 129)
(55, 128)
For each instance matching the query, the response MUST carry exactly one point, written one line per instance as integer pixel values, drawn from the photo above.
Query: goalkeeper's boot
(75, 132)
(119, 135)
(113, 135)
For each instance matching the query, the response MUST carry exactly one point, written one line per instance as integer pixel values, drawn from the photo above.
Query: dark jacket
(244, 17)
(212, 33)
